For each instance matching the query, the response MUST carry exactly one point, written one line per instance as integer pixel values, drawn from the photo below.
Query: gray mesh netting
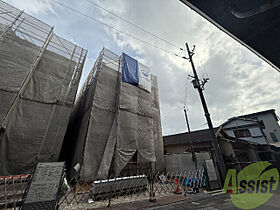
(112, 122)
(39, 78)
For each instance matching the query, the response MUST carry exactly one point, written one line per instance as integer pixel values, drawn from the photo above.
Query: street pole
(192, 148)
(199, 86)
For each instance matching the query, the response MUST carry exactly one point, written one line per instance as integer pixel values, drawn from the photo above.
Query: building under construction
(39, 78)
(115, 121)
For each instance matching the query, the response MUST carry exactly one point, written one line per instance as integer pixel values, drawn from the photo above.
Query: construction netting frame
(39, 78)
(97, 127)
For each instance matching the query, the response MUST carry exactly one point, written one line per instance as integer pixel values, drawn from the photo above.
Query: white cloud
(32, 6)
(240, 82)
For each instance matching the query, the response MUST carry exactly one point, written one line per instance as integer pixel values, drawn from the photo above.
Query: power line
(133, 24)
(186, 101)
(203, 70)
(116, 29)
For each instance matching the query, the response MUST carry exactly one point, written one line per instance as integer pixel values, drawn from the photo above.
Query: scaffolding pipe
(26, 81)
(11, 25)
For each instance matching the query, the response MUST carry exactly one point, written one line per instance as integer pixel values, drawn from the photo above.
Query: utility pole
(199, 85)
(189, 131)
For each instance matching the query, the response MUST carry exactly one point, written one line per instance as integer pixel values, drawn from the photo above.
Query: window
(273, 137)
(242, 133)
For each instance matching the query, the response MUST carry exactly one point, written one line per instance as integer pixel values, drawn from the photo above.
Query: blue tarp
(130, 70)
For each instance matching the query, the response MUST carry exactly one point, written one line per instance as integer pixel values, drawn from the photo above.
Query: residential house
(243, 140)
(179, 143)
(178, 150)
(261, 127)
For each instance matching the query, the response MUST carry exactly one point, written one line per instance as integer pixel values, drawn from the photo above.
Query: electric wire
(200, 71)
(133, 24)
(202, 68)
(116, 29)
(186, 92)
(186, 98)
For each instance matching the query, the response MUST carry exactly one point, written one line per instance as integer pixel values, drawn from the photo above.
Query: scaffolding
(113, 124)
(39, 78)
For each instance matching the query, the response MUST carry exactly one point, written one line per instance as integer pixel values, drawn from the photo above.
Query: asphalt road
(216, 201)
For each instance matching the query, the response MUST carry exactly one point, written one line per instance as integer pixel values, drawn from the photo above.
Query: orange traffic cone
(177, 191)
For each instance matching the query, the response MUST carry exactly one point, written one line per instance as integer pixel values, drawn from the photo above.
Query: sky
(240, 82)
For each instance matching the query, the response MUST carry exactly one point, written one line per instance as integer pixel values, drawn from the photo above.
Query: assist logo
(253, 186)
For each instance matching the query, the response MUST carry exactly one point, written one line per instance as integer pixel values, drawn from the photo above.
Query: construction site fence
(127, 187)
(12, 190)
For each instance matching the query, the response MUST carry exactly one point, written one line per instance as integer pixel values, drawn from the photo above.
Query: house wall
(181, 148)
(271, 125)
(252, 155)
(175, 149)
(255, 130)
(183, 162)
(178, 160)
(226, 148)
(229, 151)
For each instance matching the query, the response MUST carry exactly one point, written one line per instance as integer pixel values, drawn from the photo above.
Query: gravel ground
(84, 204)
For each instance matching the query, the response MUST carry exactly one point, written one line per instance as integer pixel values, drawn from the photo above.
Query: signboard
(210, 170)
(213, 181)
(44, 187)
